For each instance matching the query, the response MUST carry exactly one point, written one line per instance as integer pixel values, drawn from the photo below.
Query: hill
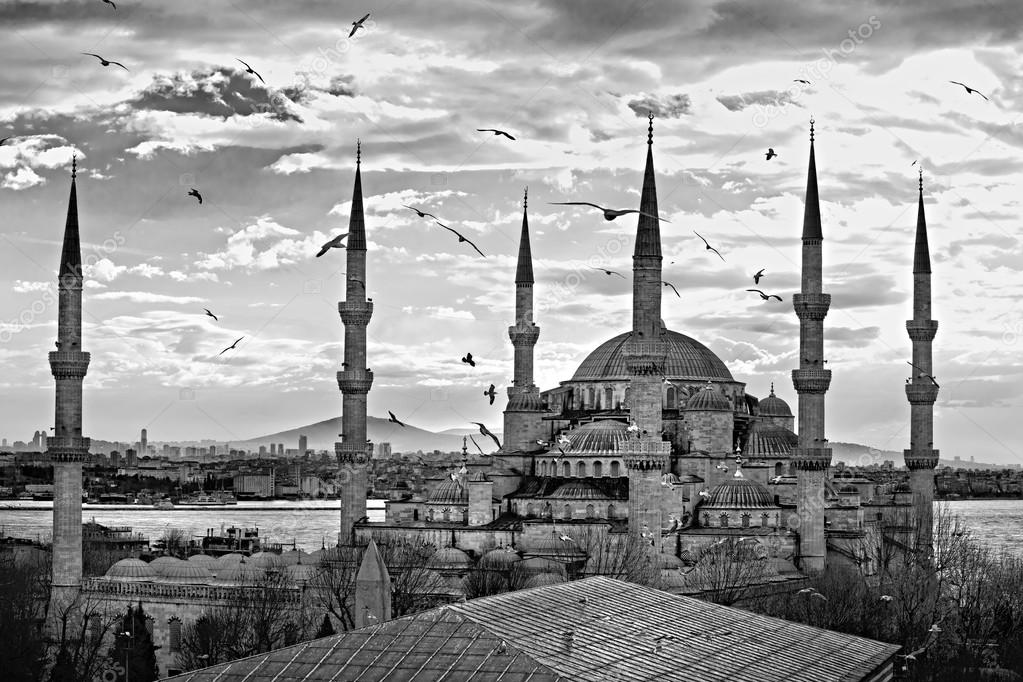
(322, 436)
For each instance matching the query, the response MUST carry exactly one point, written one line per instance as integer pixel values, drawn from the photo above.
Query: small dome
(739, 493)
(204, 560)
(186, 573)
(226, 561)
(770, 440)
(267, 561)
(553, 546)
(535, 565)
(449, 558)
(449, 492)
(603, 435)
(302, 572)
(672, 577)
(668, 561)
(773, 406)
(708, 400)
(242, 573)
(500, 559)
(160, 565)
(478, 477)
(578, 490)
(542, 579)
(295, 556)
(130, 570)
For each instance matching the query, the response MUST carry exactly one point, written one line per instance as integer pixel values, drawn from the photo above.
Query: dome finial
(738, 463)
(921, 172)
(772, 388)
(650, 128)
(358, 151)
(525, 198)
(74, 166)
(811, 128)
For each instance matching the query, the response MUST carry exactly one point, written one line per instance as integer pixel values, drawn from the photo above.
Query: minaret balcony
(645, 455)
(356, 381)
(924, 458)
(68, 448)
(811, 306)
(355, 312)
(69, 364)
(524, 334)
(644, 357)
(357, 454)
(922, 330)
(811, 380)
(810, 459)
(921, 393)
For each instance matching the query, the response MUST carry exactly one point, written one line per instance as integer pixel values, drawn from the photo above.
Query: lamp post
(127, 669)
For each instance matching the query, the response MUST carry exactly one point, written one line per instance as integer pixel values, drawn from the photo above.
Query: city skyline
(275, 165)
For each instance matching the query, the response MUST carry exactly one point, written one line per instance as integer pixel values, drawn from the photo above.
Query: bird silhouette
(467, 359)
(476, 444)
(249, 69)
(764, 296)
(334, 243)
(4, 140)
(708, 246)
(801, 80)
(669, 284)
(111, 3)
(914, 163)
(461, 238)
(608, 272)
(356, 25)
(106, 62)
(495, 131)
(564, 440)
(486, 432)
(969, 90)
(923, 374)
(609, 213)
(776, 479)
(393, 419)
(491, 392)
(231, 346)
(195, 193)
(758, 275)
(421, 214)
(770, 154)
(211, 314)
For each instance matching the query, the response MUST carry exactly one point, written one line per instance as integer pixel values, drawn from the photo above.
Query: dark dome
(603, 435)
(708, 399)
(739, 493)
(773, 406)
(578, 490)
(449, 492)
(768, 440)
(686, 359)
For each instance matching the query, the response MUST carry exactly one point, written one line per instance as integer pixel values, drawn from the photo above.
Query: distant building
(255, 485)
(144, 442)
(280, 449)
(131, 458)
(115, 459)
(262, 451)
(384, 451)
(303, 445)
(213, 451)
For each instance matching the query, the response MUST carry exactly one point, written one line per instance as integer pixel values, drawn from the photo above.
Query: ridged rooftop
(685, 358)
(603, 435)
(739, 493)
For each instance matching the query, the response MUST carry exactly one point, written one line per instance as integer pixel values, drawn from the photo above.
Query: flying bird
(195, 193)
(495, 131)
(818, 595)
(486, 432)
(421, 214)
(211, 314)
(923, 374)
(609, 213)
(249, 69)
(461, 238)
(756, 277)
(709, 247)
(969, 90)
(764, 296)
(231, 346)
(806, 590)
(334, 243)
(491, 392)
(356, 25)
(106, 62)
(608, 272)
(394, 419)
(776, 479)
(476, 444)
(467, 359)
(914, 163)
(4, 140)
(669, 284)
(564, 440)
(801, 80)
(770, 154)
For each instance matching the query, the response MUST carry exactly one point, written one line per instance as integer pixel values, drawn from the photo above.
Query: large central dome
(686, 359)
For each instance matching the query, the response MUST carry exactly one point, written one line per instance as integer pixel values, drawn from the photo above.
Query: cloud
(23, 287)
(743, 100)
(22, 178)
(220, 92)
(263, 245)
(145, 297)
(665, 106)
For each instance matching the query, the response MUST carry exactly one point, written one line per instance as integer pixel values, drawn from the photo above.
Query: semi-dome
(542, 579)
(226, 561)
(301, 572)
(708, 399)
(130, 570)
(553, 546)
(186, 573)
(739, 492)
(161, 564)
(685, 358)
(295, 556)
(773, 406)
(603, 435)
(578, 490)
(449, 492)
(449, 558)
(267, 561)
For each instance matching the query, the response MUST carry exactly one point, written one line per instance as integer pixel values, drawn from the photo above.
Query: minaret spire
(812, 456)
(354, 379)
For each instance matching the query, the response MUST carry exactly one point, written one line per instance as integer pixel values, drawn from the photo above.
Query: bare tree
(728, 570)
(78, 628)
(24, 591)
(486, 578)
(335, 583)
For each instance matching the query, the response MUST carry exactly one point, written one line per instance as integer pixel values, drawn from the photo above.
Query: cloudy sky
(573, 81)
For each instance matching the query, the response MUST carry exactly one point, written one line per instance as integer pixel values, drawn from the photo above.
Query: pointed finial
(525, 199)
(921, 172)
(358, 151)
(650, 128)
(772, 388)
(811, 129)
(74, 166)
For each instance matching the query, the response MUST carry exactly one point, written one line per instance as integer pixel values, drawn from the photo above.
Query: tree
(24, 591)
(133, 644)
(326, 628)
(77, 627)
(728, 570)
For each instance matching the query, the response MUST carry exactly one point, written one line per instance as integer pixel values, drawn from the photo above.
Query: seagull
(818, 595)
(969, 90)
(356, 25)
(461, 238)
(764, 296)
(195, 193)
(632, 428)
(806, 590)
(231, 346)
(721, 467)
(704, 493)
(914, 163)
(334, 243)
(476, 444)
(709, 247)
(608, 272)
(564, 440)
(490, 392)
(111, 3)
(756, 277)
(486, 432)
(776, 479)
(935, 628)
(495, 131)
(106, 62)
(566, 538)
(4, 140)
(801, 80)
(543, 443)
(923, 374)
(211, 314)
(394, 419)
(609, 213)
(770, 153)
(669, 284)
(501, 648)
(468, 360)
(421, 214)
(249, 69)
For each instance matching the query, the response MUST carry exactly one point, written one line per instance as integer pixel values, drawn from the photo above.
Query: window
(174, 627)
(580, 469)
(723, 519)
(745, 520)
(765, 520)
(567, 512)
(778, 469)
(616, 469)
(671, 398)
(590, 511)
(543, 468)
(589, 397)
(566, 469)
(610, 511)
(530, 510)
(597, 470)
(95, 626)
(609, 396)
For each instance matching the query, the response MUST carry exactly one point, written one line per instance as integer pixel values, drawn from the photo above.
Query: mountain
(322, 436)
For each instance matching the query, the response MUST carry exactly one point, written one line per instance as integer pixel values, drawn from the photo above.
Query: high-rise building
(262, 451)
(131, 458)
(303, 445)
(144, 442)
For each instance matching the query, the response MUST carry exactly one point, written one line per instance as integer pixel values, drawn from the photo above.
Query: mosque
(650, 455)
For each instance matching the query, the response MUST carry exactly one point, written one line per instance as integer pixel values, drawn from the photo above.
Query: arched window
(566, 469)
(174, 626)
(723, 520)
(671, 398)
(580, 469)
(530, 510)
(609, 397)
(706, 520)
(447, 514)
(415, 514)
(625, 401)
(429, 514)
(567, 512)
(745, 520)
(590, 397)
(616, 469)
(779, 469)
(543, 468)
(597, 469)
(590, 511)
(548, 511)
(150, 624)
(610, 511)
(765, 520)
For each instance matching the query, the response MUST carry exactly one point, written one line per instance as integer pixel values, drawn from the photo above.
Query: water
(310, 523)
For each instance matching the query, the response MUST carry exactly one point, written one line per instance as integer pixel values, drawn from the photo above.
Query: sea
(312, 524)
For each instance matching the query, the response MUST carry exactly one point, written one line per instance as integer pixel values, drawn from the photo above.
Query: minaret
(646, 454)
(67, 448)
(522, 424)
(922, 391)
(354, 380)
(812, 456)
(372, 589)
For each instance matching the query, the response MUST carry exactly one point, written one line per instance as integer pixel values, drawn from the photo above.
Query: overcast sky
(572, 81)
